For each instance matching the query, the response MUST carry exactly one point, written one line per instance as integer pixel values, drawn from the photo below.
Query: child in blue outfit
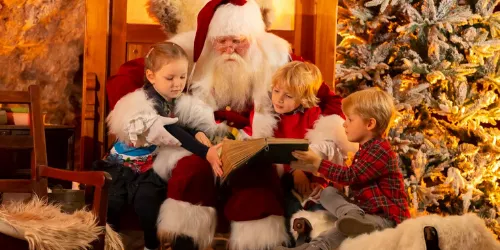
(130, 161)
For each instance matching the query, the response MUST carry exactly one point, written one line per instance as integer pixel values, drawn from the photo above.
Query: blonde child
(294, 88)
(130, 161)
(375, 179)
(293, 95)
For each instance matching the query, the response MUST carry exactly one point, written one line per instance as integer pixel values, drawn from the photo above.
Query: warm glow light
(136, 12)
(284, 15)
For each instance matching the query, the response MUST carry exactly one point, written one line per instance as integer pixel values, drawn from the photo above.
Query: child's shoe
(354, 223)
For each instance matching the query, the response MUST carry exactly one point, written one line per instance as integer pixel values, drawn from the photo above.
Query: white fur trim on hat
(233, 20)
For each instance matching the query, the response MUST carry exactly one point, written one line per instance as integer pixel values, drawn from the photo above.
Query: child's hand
(316, 191)
(158, 135)
(308, 157)
(203, 139)
(213, 158)
(301, 182)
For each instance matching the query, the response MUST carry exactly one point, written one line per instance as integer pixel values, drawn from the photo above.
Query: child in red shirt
(375, 179)
(294, 88)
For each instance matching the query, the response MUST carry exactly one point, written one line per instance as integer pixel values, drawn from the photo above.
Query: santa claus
(234, 58)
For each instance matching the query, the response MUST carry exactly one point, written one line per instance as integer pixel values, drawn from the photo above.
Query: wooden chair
(39, 169)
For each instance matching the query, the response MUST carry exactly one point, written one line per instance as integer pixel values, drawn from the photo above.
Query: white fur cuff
(258, 234)
(183, 218)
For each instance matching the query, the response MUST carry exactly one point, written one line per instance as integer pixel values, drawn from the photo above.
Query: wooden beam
(145, 33)
(96, 63)
(288, 35)
(118, 49)
(326, 38)
(304, 37)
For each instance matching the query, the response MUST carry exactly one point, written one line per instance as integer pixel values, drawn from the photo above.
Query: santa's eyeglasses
(231, 44)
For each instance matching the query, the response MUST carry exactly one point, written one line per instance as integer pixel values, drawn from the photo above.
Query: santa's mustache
(233, 57)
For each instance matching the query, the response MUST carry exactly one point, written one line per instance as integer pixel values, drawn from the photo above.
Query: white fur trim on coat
(465, 232)
(135, 112)
(321, 221)
(194, 113)
(178, 218)
(264, 124)
(167, 159)
(331, 128)
(260, 234)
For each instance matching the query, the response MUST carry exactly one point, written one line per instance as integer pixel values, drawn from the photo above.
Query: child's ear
(150, 76)
(372, 124)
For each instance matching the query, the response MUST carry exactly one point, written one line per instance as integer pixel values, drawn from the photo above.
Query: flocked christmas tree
(440, 60)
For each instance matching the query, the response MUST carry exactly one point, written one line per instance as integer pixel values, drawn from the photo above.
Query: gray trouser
(335, 203)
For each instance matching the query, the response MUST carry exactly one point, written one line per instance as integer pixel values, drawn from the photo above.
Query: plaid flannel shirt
(375, 180)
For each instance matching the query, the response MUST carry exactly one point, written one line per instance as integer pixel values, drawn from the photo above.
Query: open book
(235, 154)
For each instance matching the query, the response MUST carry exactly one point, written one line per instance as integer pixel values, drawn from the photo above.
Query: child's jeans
(145, 191)
(336, 204)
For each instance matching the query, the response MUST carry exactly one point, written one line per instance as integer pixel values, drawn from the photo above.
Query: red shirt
(375, 180)
(295, 125)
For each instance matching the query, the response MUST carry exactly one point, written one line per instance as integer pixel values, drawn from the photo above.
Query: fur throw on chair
(45, 227)
(465, 232)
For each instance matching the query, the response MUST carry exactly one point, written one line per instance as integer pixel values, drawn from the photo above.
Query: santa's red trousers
(250, 201)
(251, 193)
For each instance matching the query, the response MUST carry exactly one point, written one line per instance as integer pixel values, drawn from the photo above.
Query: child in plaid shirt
(375, 180)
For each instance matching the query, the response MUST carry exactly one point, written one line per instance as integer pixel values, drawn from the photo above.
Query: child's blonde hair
(162, 53)
(371, 103)
(301, 79)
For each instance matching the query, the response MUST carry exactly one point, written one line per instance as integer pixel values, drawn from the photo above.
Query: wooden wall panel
(137, 50)
(118, 38)
(326, 38)
(304, 35)
(95, 70)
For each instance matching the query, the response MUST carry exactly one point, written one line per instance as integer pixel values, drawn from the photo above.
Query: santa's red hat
(179, 16)
(227, 18)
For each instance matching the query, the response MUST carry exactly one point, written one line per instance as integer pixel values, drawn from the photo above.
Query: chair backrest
(39, 171)
(34, 142)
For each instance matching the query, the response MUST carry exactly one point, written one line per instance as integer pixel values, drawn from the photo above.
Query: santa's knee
(251, 204)
(192, 181)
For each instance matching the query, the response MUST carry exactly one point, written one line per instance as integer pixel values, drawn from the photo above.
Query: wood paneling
(304, 35)
(288, 35)
(326, 37)
(137, 50)
(145, 33)
(118, 35)
(95, 63)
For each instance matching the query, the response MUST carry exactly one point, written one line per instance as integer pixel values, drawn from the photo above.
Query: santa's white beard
(232, 81)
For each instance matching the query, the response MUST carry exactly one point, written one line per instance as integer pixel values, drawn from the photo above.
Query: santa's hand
(158, 135)
(214, 160)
